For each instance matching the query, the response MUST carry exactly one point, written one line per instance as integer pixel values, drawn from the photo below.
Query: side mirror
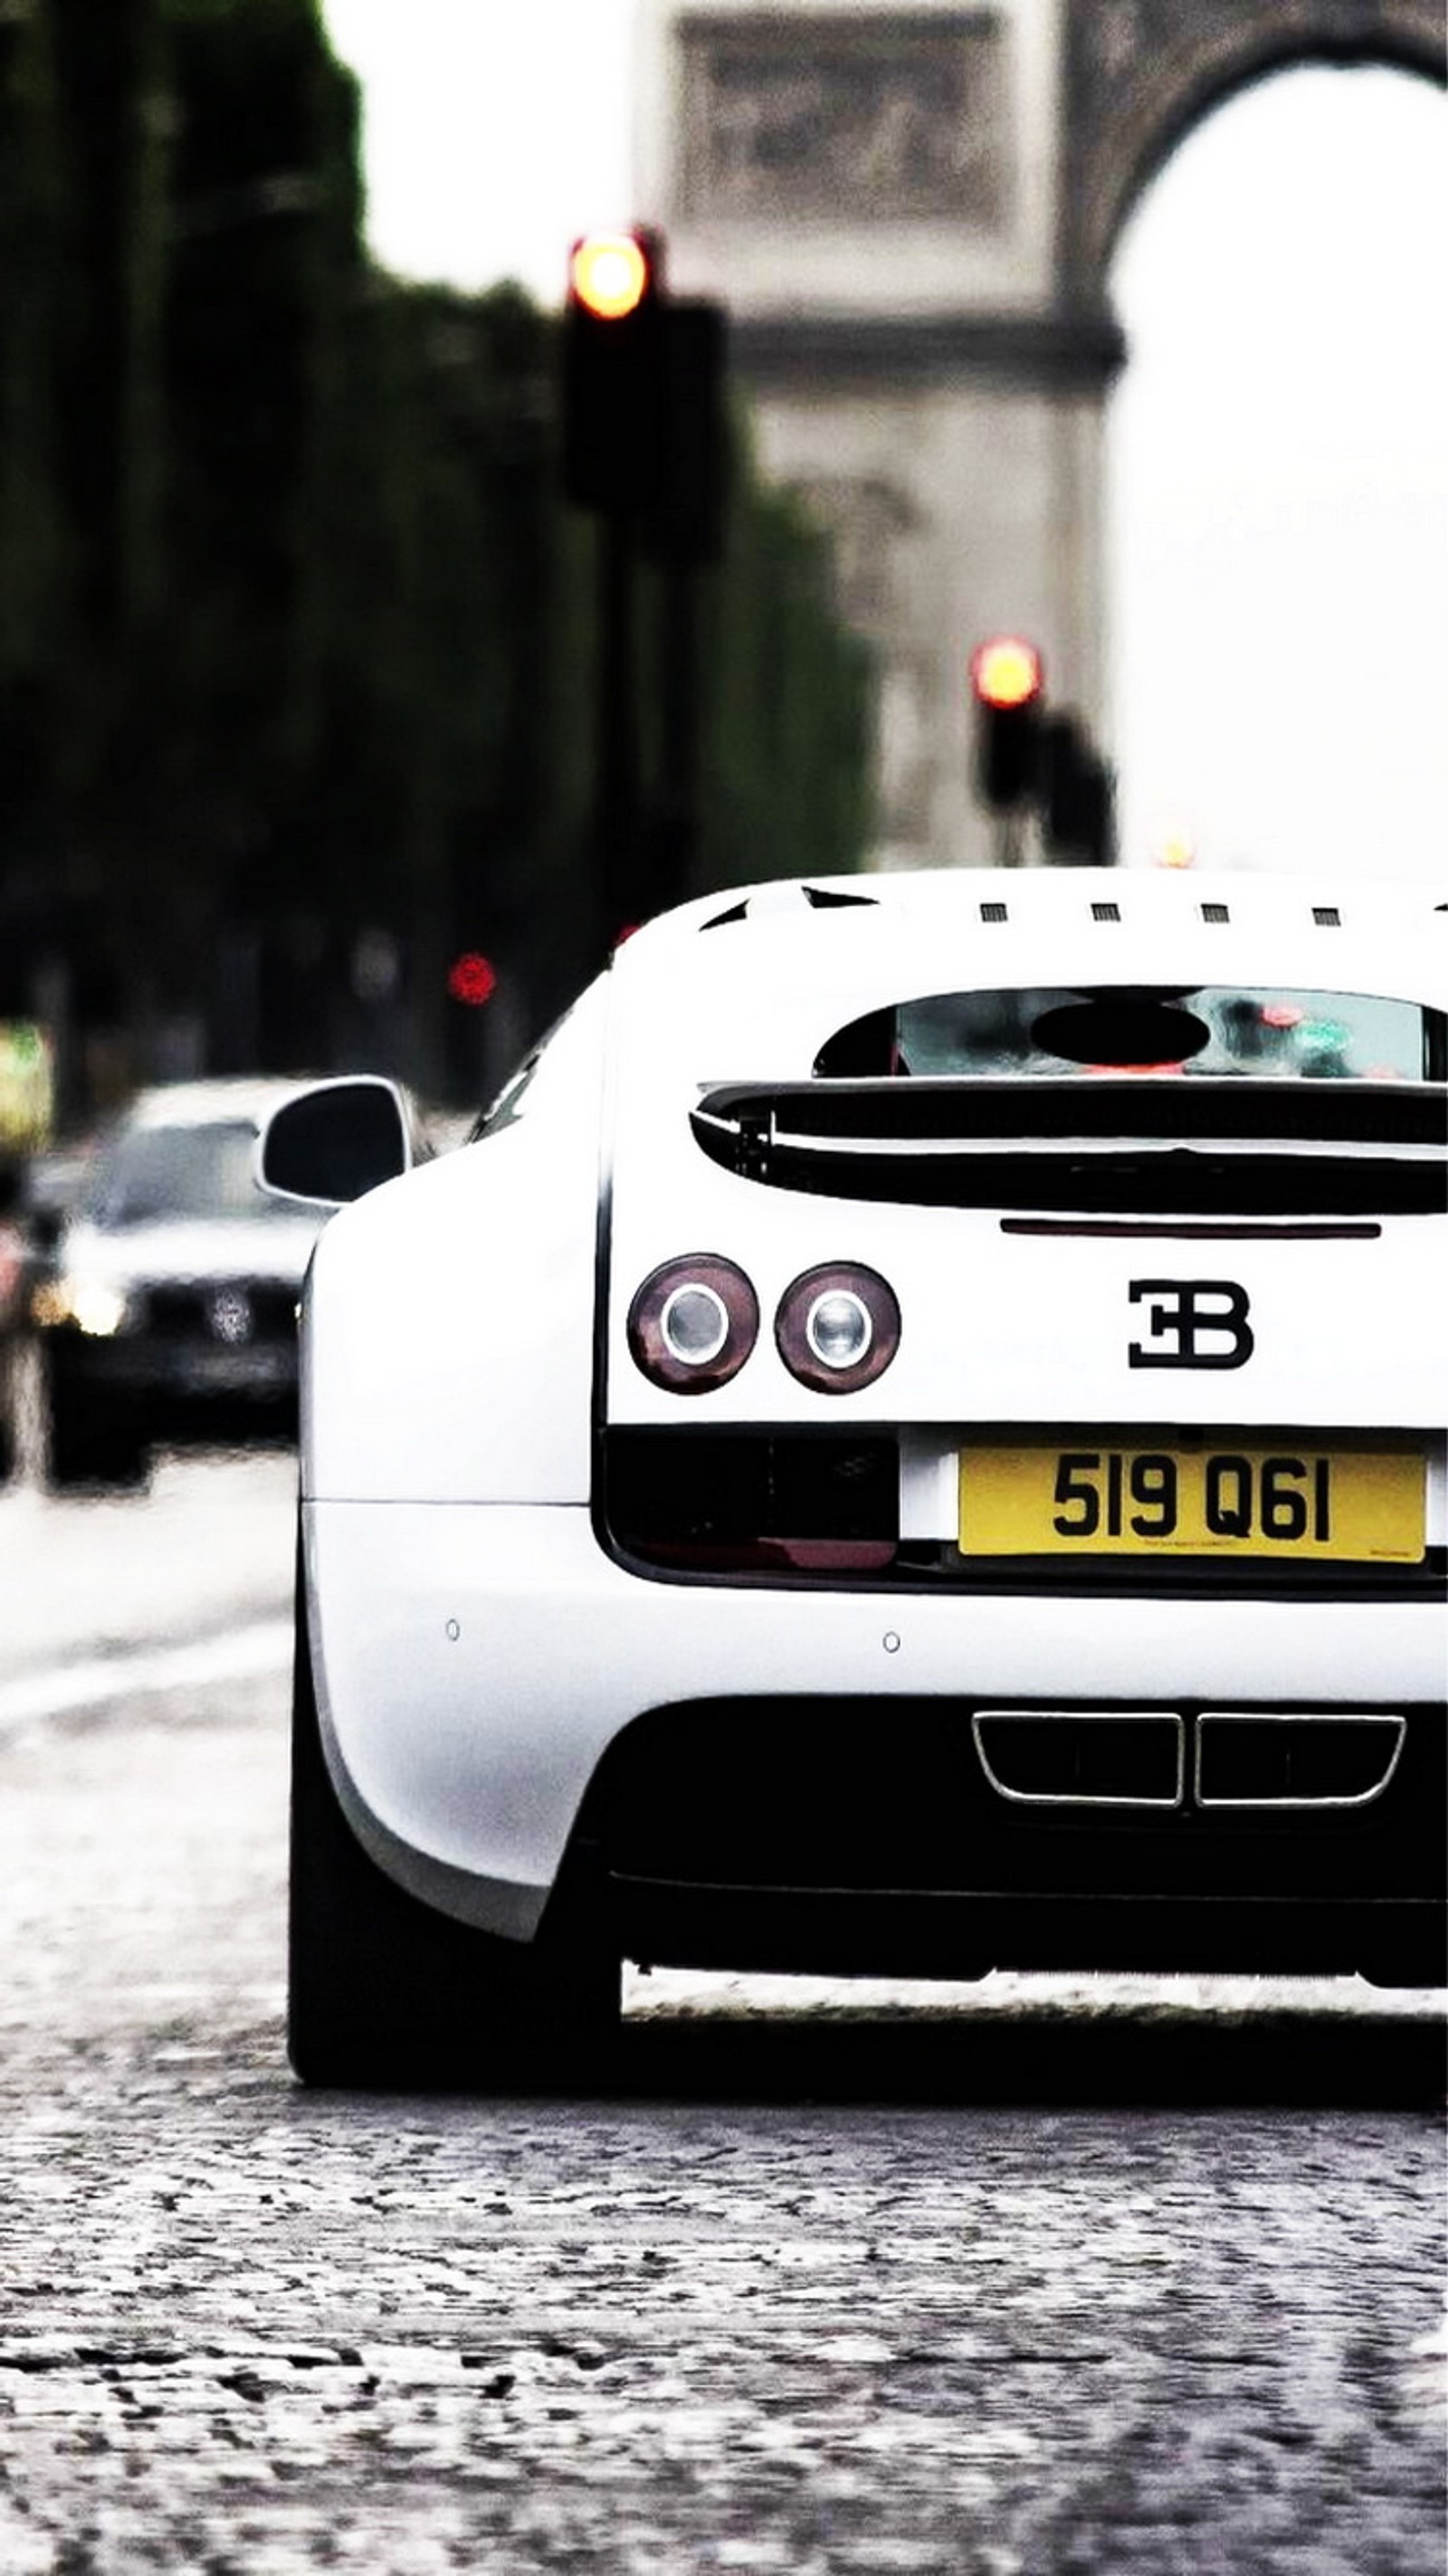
(335, 1142)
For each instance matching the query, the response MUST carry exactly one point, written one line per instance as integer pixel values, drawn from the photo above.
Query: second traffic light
(614, 375)
(1007, 685)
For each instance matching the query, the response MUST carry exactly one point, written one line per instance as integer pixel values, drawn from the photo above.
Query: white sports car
(912, 1441)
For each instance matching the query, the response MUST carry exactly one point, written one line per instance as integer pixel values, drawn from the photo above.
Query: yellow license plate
(1084, 1500)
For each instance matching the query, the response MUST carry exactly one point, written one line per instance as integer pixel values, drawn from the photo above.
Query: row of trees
(296, 636)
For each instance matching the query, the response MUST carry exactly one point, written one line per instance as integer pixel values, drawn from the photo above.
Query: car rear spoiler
(1091, 1142)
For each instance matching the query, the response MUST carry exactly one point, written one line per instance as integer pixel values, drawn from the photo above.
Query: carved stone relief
(847, 119)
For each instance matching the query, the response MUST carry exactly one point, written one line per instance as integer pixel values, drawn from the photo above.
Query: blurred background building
(911, 212)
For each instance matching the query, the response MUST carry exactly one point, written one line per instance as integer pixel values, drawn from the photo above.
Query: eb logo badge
(1192, 1323)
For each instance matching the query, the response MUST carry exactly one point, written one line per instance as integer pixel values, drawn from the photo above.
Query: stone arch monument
(910, 207)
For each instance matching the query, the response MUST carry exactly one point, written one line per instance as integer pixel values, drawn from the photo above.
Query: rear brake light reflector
(693, 1323)
(838, 1328)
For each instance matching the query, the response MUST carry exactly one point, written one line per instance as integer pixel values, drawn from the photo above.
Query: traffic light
(1076, 795)
(1007, 683)
(614, 374)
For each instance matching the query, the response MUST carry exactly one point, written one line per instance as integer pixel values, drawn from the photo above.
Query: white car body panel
(478, 1661)
(478, 1647)
(983, 1338)
(446, 1350)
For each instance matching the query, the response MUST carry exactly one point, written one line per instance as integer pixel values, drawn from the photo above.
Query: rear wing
(1091, 1143)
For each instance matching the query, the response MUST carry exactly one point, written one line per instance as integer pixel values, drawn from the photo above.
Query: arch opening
(1277, 522)
(1143, 74)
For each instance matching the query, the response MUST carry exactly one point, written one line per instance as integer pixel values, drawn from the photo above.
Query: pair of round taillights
(694, 1322)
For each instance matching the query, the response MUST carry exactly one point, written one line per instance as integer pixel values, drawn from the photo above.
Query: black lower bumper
(861, 1837)
(932, 1933)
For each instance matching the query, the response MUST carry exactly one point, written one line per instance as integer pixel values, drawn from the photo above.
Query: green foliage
(108, 71)
(297, 638)
(30, 307)
(264, 267)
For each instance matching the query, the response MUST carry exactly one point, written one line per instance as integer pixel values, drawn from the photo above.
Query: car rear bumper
(476, 1665)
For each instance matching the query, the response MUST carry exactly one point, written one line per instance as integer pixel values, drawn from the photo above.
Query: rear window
(1291, 1035)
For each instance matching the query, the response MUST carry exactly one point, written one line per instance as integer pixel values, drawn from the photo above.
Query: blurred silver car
(167, 1305)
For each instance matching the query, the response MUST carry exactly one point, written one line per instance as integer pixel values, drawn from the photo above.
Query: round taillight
(838, 1327)
(693, 1323)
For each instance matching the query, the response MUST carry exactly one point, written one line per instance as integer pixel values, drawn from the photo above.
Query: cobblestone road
(1117, 2280)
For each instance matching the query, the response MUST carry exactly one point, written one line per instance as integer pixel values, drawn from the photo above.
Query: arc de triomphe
(910, 211)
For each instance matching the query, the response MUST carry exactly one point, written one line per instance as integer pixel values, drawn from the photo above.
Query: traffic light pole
(616, 751)
(1011, 839)
(676, 828)
(645, 450)
(1030, 762)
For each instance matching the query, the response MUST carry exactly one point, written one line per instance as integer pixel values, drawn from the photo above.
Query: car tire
(385, 1993)
(89, 1444)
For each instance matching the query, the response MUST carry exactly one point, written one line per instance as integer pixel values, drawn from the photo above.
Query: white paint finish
(929, 1487)
(476, 1751)
(1005, 1327)
(1011, 1328)
(447, 1349)
(754, 996)
(478, 1650)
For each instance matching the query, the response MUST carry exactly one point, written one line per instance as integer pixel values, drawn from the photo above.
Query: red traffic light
(609, 274)
(614, 373)
(472, 979)
(1006, 671)
(1009, 700)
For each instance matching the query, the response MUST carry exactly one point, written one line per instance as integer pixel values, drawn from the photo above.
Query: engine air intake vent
(770, 902)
